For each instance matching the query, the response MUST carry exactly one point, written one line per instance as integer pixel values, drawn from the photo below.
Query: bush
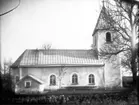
(94, 99)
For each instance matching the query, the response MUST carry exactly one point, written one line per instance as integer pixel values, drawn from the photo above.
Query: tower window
(108, 37)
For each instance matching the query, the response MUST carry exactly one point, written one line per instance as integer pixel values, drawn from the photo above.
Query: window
(27, 84)
(16, 78)
(91, 79)
(74, 79)
(52, 80)
(108, 37)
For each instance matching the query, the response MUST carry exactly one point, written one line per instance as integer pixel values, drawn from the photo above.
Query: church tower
(102, 36)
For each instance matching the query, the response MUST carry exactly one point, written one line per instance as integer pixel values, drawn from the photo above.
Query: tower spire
(102, 3)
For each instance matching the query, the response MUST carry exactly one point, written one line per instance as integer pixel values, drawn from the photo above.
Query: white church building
(53, 69)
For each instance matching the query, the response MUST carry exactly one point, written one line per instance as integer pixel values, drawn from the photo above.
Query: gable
(30, 77)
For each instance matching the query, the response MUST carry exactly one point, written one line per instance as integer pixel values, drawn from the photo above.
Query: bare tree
(120, 18)
(62, 72)
(7, 64)
(46, 46)
(6, 78)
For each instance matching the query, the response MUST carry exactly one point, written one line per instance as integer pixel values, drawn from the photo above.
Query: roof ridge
(59, 49)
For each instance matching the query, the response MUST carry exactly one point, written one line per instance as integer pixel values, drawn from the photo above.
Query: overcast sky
(66, 24)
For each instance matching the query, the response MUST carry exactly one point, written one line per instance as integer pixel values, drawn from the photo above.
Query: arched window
(108, 37)
(52, 80)
(74, 79)
(91, 79)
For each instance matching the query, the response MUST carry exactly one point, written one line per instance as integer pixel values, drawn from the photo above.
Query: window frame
(108, 37)
(91, 80)
(74, 79)
(26, 84)
(51, 81)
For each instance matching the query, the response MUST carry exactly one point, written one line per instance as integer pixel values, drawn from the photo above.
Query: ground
(90, 91)
(119, 96)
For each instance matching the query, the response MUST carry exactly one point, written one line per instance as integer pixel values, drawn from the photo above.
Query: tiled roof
(102, 23)
(56, 57)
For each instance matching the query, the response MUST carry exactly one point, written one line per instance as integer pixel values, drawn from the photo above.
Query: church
(39, 70)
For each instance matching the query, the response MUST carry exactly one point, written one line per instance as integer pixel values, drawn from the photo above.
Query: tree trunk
(134, 57)
(60, 84)
(134, 80)
(134, 72)
(134, 67)
(133, 52)
(138, 88)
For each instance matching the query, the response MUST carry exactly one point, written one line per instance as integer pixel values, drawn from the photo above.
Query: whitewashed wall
(105, 76)
(113, 74)
(82, 72)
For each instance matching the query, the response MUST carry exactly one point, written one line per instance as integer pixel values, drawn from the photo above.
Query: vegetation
(46, 46)
(91, 99)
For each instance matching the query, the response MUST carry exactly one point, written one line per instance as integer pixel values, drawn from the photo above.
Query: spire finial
(103, 3)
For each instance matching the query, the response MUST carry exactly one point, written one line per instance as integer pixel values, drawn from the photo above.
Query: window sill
(91, 84)
(108, 42)
(27, 87)
(53, 85)
(74, 84)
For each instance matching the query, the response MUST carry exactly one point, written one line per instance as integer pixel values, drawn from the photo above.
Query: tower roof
(101, 22)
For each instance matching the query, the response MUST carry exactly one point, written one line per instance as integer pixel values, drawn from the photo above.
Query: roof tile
(56, 57)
